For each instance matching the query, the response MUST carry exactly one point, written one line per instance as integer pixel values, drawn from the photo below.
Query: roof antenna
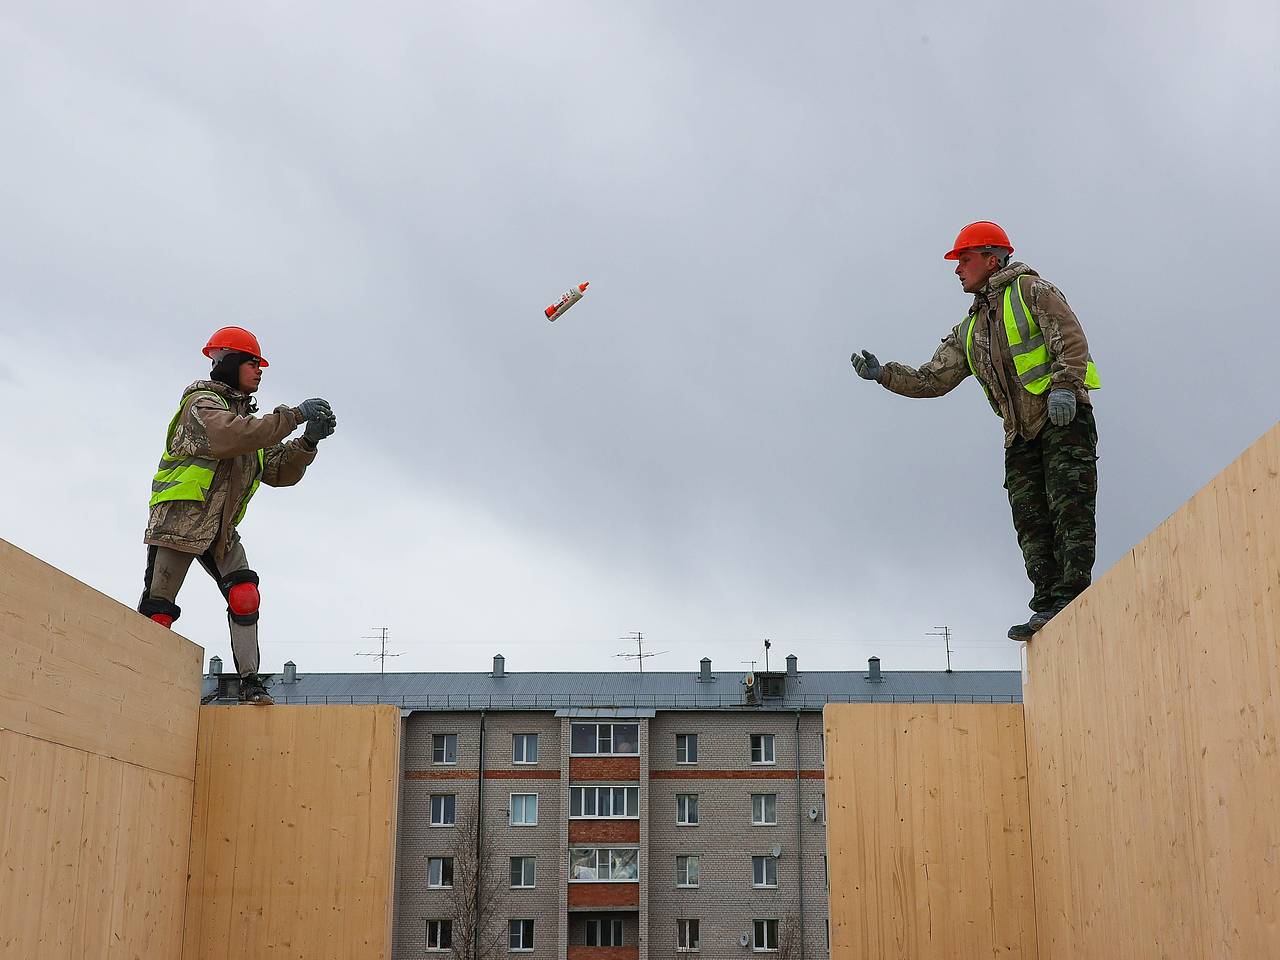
(640, 656)
(382, 656)
(945, 634)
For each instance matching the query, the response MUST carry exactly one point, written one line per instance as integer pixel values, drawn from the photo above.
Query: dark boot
(1023, 632)
(252, 690)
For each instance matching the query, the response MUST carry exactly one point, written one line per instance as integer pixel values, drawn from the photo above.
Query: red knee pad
(163, 619)
(243, 599)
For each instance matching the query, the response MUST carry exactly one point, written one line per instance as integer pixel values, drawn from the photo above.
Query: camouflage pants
(1053, 490)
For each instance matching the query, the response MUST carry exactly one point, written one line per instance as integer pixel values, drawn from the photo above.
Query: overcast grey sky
(389, 194)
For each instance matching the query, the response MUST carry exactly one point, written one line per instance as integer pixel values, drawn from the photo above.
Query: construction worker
(1028, 351)
(216, 453)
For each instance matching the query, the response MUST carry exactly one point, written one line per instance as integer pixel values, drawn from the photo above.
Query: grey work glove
(314, 409)
(1062, 406)
(320, 428)
(867, 365)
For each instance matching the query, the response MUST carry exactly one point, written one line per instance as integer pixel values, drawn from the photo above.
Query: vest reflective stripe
(253, 487)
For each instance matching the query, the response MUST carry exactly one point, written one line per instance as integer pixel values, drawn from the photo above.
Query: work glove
(1062, 407)
(320, 428)
(867, 365)
(315, 409)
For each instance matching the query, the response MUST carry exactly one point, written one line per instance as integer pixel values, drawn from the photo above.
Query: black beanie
(227, 370)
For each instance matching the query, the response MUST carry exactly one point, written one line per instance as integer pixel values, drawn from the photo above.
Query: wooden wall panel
(928, 839)
(85, 671)
(1153, 718)
(293, 834)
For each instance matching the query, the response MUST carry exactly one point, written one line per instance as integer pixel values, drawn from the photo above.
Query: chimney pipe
(290, 672)
(499, 665)
(705, 676)
(873, 671)
(215, 665)
(792, 665)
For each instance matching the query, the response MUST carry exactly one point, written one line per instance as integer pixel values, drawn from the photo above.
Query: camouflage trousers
(1053, 490)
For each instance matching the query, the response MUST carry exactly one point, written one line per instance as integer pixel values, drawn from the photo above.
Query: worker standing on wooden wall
(1025, 346)
(216, 454)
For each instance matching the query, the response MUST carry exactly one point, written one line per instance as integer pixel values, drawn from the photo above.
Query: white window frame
(511, 809)
(686, 822)
(613, 925)
(772, 758)
(682, 933)
(510, 929)
(446, 762)
(607, 851)
(522, 885)
(595, 788)
(764, 861)
(762, 820)
(611, 752)
(755, 930)
(440, 925)
(431, 801)
(687, 738)
(688, 858)
(441, 885)
(527, 739)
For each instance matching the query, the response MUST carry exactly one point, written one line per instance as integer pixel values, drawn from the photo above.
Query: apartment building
(620, 816)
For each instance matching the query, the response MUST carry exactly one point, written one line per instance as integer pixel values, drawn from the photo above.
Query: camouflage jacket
(1024, 413)
(233, 437)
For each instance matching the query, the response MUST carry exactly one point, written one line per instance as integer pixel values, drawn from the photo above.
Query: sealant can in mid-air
(572, 296)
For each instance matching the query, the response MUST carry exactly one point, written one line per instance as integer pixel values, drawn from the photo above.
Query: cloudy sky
(389, 194)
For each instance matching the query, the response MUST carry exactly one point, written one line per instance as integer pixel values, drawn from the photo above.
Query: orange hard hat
(235, 338)
(984, 233)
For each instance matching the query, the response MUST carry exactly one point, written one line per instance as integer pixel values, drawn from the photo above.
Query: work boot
(1023, 632)
(253, 691)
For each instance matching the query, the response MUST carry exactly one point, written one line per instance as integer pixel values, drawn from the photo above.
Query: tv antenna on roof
(945, 634)
(382, 655)
(639, 656)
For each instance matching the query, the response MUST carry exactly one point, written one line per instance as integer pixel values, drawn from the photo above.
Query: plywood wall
(1153, 719)
(98, 714)
(928, 838)
(293, 837)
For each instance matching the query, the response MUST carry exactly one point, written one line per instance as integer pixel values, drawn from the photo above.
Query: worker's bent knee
(243, 599)
(163, 612)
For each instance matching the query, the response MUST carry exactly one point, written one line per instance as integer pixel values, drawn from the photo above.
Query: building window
(764, 872)
(520, 935)
(822, 807)
(762, 748)
(686, 809)
(764, 936)
(524, 809)
(686, 748)
(764, 809)
(442, 809)
(688, 872)
(590, 863)
(687, 935)
(828, 935)
(524, 748)
(826, 879)
(523, 873)
(601, 803)
(444, 748)
(603, 739)
(440, 873)
(604, 933)
(440, 935)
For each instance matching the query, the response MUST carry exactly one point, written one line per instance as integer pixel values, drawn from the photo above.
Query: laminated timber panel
(928, 838)
(87, 672)
(293, 834)
(1153, 715)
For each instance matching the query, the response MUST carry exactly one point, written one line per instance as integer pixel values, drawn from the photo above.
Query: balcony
(630, 952)
(604, 896)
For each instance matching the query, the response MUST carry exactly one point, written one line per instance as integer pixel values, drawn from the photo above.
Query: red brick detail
(763, 774)
(522, 774)
(604, 831)
(578, 952)
(604, 895)
(440, 775)
(610, 769)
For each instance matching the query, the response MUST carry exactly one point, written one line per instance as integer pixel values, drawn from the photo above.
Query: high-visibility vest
(1031, 357)
(189, 478)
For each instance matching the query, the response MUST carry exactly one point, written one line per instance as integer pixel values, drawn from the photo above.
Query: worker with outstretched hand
(1026, 348)
(215, 455)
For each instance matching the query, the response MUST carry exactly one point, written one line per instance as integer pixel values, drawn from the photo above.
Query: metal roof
(666, 691)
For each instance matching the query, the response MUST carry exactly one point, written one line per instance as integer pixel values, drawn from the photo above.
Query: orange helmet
(235, 338)
(984, 233)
